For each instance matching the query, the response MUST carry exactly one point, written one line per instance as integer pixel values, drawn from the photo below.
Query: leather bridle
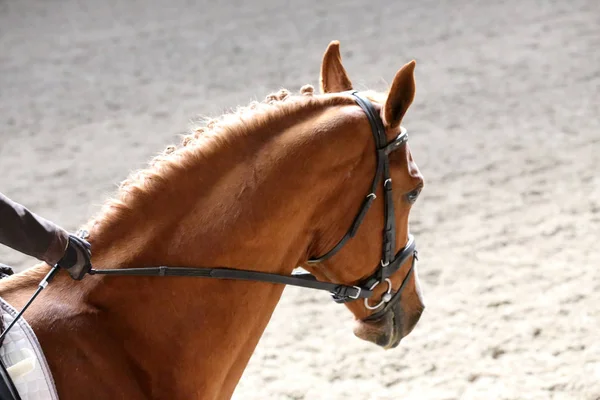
(390, 262)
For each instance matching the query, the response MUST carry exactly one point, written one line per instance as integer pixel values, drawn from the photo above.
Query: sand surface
(505, 128)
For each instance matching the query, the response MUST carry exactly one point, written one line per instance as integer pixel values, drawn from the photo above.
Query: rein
(302, 280)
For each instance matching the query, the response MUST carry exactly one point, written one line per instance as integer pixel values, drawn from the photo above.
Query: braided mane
(213, 134)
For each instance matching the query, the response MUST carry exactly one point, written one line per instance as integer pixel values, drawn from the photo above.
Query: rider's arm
(31, 234)
(35, 236)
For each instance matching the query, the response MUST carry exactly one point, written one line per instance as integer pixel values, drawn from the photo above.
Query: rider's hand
(76, 259)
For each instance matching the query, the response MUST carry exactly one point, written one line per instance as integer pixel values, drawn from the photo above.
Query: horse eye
(412, 196)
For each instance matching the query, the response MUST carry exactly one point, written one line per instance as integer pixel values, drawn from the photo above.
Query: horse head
(377, 320)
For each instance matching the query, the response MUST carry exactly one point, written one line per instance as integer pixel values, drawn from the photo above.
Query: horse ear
(400, 96)
(333, 75)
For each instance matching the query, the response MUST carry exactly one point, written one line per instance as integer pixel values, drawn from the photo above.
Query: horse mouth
(392, 339)
(385, 331)
(388, 330)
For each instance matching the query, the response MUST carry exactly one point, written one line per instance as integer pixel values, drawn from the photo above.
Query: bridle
(390, 262)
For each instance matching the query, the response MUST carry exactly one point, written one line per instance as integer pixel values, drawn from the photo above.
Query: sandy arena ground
(505, 128)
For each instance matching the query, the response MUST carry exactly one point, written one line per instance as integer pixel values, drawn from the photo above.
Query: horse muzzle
(396, 322)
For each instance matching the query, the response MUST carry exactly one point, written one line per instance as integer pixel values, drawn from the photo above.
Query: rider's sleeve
(29, 233)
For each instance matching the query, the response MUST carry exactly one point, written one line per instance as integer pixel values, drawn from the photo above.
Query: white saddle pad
(24, 359)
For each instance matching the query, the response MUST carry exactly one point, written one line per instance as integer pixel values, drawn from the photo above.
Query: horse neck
(247, 208)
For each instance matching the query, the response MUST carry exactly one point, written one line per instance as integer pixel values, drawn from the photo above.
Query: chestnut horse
(265, 188)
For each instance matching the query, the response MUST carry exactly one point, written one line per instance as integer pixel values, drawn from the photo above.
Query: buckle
(397, 142)
(358, 290)
(340, 295)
